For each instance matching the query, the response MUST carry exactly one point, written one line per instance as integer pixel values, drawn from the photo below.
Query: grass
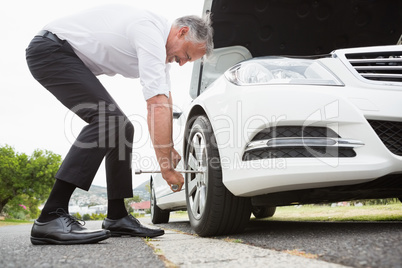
(391, 212)
(232, 240)
(179, 214)
(7, 222)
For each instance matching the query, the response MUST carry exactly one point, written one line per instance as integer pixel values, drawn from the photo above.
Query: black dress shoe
(65, 230)
(129, 226)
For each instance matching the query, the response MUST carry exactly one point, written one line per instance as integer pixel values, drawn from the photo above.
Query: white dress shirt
(119, 39)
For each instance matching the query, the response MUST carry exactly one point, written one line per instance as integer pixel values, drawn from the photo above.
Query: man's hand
(173, 177)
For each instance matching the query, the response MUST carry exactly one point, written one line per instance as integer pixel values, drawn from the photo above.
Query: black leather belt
(50, 35)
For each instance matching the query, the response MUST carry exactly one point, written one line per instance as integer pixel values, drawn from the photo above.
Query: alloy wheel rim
(197, 183)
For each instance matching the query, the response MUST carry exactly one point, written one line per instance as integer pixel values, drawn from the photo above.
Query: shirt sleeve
(149, 43)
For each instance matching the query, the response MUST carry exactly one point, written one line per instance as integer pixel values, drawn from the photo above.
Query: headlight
(274, 70)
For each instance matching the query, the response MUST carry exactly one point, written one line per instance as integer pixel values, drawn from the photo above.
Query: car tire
(212, 209)
(263, 212)
(157, 215)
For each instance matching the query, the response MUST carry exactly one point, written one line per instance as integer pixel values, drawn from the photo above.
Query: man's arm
(159, 119)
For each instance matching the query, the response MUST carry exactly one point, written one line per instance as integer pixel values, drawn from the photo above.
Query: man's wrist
(165, 164)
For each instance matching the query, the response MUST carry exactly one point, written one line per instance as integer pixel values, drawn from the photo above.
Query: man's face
(181, 51)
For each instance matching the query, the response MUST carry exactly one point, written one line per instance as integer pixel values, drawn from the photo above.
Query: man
(65, 57)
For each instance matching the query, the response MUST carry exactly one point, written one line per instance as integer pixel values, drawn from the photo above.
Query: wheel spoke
(200, 150)
(192, 187)
(196, 203)
(199, 146)
(202, 201)
(192, 161)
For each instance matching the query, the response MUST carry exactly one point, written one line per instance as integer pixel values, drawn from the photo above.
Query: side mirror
(176, 115)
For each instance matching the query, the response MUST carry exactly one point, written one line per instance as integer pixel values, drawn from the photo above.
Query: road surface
(174, 249)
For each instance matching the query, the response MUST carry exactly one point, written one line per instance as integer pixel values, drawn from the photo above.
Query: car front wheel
(212, 209)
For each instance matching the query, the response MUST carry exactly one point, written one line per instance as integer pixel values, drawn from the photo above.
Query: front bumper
(242, 115)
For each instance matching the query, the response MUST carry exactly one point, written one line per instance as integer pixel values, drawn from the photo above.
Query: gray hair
(200, 30)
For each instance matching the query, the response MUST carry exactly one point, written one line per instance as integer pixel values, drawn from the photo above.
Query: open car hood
(304, 27)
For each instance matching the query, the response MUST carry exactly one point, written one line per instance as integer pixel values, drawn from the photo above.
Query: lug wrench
(175, 187)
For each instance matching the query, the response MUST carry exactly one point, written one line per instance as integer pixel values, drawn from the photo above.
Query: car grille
(297, 151)
(390, 134)
(379, 66)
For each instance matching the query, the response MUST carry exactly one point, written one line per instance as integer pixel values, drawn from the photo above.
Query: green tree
(19, 207)
(148, 188)
(77, 215)
(26, 180)
(128, 201)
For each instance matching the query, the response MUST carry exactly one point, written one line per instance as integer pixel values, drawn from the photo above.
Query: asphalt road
(355, 244)
(174, 249)
(337, 245)
(16, 250)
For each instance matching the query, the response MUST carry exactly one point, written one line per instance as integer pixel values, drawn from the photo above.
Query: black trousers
(108, 133)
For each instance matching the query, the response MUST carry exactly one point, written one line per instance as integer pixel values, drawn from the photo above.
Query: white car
(264, 131)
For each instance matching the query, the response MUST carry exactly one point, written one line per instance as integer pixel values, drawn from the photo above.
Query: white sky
(31, 118)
